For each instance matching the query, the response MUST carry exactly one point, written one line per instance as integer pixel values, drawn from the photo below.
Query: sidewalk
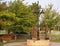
(15, 44)
(55, 44)
(24, 44)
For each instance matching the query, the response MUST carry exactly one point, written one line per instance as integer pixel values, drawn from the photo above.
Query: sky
(43, 3)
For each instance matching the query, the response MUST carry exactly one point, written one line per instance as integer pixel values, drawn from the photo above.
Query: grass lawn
(56, 41)
(1, 44)
(55, 36)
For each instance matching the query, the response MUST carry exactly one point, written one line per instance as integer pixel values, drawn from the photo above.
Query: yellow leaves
(7, 23)
(7, 18)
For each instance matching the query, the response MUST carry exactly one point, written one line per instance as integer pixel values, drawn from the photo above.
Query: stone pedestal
(38, 43)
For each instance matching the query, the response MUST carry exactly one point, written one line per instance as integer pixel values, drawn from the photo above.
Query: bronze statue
(34, 33)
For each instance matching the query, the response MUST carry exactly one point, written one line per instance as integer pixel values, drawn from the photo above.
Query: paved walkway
(15, 44)
(24, 44)
(55, 44)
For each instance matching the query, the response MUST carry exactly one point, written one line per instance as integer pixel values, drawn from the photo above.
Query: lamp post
(36, 11)
(39, 19)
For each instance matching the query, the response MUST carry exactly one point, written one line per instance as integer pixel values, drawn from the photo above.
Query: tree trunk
(46, 33)
(15, 37)
(8, 32)
(50, 31)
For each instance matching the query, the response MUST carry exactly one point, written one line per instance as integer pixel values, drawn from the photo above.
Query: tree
(51, 18)
(26, 15)
(6, 19)
(3, 6)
